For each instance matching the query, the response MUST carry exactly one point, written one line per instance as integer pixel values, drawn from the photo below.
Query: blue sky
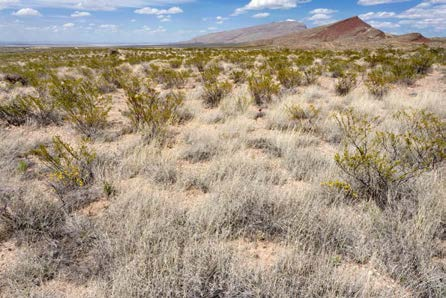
(160, 21)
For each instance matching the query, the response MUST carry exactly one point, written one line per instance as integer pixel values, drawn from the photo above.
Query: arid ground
(222, 173)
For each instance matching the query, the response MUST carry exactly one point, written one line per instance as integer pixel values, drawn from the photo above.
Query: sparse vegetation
(263, 88)
(237, 185)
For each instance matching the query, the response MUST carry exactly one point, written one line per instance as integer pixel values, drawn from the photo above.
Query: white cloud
(428, 14)
(319, 16)
(164, 18)
(80, 14)
(377, 15)
(108, 27)
(68, 25)
(147, 29)
(8, 3)
(376, 2)
(220, 19)
(24, 12)
(385, 25)
(105, 5)
(156, 11)
(322, 16)
(323, 10)
(261, 15)
(268, 4)
(290, 20)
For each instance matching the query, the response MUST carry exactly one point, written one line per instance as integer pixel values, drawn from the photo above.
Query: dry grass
(229, 202)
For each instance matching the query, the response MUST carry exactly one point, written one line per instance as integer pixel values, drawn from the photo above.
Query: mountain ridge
(352, 32)
(249, 34)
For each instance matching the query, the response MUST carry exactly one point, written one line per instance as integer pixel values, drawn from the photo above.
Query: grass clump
(380, 164)
(263, 88)
(303, 117)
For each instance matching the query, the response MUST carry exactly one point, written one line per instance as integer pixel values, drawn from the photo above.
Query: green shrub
(345, 84)
(28, 108)
(311, 74)
(238, 76)
(82, 104)
(149, 111)
(214, 92)
(289, 78)
(263, 88)
(170, 78)
(69, 168)
(380, 164)
(210, 74)
(377, 82)
(422, 61)
(176, 63)
(403, 72)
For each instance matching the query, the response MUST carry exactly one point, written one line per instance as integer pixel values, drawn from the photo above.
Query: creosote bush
(345, 84)
(69, 168)
(263, 88)
(289, 78)
(148, 111)
(82, 104)
(379, 165)
(378, 82)
(214, 92)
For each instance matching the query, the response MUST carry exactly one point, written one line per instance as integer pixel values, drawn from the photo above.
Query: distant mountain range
(250, 34)
(349, 33)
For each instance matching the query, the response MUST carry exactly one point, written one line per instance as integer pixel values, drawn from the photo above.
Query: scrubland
(223, 173)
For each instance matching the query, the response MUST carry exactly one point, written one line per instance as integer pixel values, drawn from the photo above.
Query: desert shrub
(176, 63)
(403, 72)
(111, 78)
(262, 89)
(337, 68)
(422, 61)
(303, 117)
(170, 78)
(22, 109)
(380, 164)
(15, 78)
(82, 104)
(289, 78)
(377, 82)
(238, 76)
(69, 168)
(210, 74)
(214, 92)
(345, 84)
(311, 74)
(199, 61)
(148, 110)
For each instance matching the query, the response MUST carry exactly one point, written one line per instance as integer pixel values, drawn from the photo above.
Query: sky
(164, 21)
